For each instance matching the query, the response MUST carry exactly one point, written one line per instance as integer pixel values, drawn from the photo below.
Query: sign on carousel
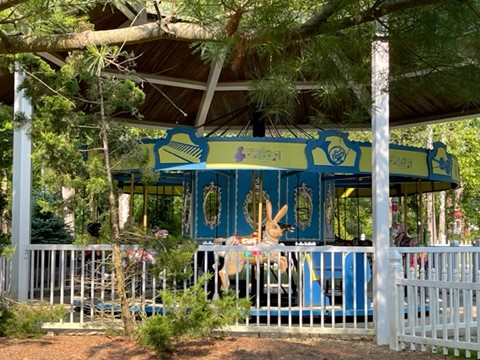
(331, 153)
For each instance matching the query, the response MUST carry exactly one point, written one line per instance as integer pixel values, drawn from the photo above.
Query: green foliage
(6, 250)
(66, 122)
(174, 254)
(164, 212)
(463, 140)
(47, 226)
(19, 320)
(191, 314)
(6, 137)
(354, 217)
(462, 354)
(37, 17)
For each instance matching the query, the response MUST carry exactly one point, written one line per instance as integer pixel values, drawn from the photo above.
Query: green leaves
(190, 314)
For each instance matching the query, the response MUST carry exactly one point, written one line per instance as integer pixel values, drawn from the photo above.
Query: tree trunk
(442, 226)
(431, 216)
(68, 215)
(120, 286)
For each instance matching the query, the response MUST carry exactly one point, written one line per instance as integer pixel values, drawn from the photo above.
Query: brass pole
(254, 205)
(259, 236)
(145, 206)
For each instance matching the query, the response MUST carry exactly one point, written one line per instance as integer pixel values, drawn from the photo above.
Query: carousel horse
(354, 242)
(402, 239)
(234, 261)
(139, 255)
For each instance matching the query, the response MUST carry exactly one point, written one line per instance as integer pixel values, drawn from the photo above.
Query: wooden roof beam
(212, 82)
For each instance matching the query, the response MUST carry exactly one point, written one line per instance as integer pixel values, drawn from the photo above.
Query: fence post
(395, 268)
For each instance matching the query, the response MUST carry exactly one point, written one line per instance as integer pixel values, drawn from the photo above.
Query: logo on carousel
(337, 155)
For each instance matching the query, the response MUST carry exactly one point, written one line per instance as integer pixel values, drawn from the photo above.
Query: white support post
(21, 196)
(396, 296)
(380, 188)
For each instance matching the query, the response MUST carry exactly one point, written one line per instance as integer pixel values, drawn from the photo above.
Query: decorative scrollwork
(248, 204)
(303, 206)
(211, 204)
(329, 209)
(187, 209)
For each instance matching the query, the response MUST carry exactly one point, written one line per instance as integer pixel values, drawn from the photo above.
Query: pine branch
(7, 4)
(320, 24)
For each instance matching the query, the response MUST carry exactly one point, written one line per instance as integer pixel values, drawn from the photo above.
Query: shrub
(19, 320)
(190, 313)
(4, 244)
(47, 226)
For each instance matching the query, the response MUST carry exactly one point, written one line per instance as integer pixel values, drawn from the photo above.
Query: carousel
(223, 179)
(239, 187)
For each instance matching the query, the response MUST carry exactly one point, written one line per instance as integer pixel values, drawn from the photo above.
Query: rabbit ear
(281, 213)
(268, 209)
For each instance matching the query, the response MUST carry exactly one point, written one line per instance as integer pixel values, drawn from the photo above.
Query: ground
(102, 347)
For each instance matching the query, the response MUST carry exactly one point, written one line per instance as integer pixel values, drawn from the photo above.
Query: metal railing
(324, 289)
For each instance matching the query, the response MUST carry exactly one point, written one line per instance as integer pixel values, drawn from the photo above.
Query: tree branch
(130, 35)
(319, 24)
(7, 4)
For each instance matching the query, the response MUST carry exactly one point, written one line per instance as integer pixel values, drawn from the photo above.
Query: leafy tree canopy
(328, 42)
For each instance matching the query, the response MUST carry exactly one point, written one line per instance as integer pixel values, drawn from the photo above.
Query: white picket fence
(325, 290)
(436, 303)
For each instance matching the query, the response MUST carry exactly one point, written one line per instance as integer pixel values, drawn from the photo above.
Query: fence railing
(436, 299)
(323, 290)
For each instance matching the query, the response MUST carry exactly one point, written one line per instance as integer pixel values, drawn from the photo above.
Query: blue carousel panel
(440, 163)
(304, 206)
(244, 197)
(211, 205)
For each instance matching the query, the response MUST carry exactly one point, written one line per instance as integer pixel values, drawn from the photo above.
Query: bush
(47, 226)
(18, 320)
(191, 314)
(4, 244)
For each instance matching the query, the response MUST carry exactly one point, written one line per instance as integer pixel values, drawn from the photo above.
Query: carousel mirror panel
(211, 204)
(251, 200)
(303, 206)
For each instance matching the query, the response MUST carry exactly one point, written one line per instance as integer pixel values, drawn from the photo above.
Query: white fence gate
(436, 294)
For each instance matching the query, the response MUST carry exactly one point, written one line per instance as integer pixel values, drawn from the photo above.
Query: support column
(380, 188)
(21, 196)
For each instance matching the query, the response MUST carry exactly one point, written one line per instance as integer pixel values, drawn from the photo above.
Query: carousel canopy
(412, 170)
